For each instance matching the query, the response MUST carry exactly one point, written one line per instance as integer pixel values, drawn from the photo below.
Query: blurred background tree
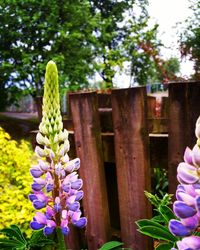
(84, 38)
(190, 38)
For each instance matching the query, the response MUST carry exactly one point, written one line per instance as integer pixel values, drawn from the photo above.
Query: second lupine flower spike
(187, 206)
(56, 185)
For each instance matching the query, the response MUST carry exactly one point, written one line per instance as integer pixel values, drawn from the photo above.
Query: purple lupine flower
(56, 184)
(49, 228)
(38, 184)
(189, 243)
(39, 200)
(36, 171)
(39, 221)
(187, 205)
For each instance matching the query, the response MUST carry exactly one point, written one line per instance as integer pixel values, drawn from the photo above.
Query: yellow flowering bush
(15, 181)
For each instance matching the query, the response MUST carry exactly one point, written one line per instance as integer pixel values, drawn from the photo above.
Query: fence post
(184, 103)
(88, 143)
(132, 162)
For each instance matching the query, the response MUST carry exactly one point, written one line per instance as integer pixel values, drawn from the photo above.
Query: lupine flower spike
(56, 187)
(187, 205)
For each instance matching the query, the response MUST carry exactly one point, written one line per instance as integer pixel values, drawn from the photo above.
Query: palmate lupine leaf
(11, 244)
(39, 240)
(14, 239)
(14, 232)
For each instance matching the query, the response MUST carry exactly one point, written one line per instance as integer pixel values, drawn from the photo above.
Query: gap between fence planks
(132, 162)
(88, 143)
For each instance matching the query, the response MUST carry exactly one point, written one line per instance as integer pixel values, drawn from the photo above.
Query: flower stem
(61, 239)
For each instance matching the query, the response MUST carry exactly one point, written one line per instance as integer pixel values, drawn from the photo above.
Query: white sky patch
(171, 16)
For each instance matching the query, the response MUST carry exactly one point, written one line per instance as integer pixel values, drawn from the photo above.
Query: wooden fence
(119, 138)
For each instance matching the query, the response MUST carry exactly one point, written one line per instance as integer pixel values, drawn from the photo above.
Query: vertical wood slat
(184, 103)
(132, 162)
(88, 142)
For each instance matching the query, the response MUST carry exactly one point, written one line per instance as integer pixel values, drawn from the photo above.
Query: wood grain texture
(88, 143)
(132, 162)
(184, 109)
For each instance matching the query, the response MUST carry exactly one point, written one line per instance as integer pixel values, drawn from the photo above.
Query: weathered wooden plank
(184, 103)
(104, 100)
(89, 149)
(132, 162)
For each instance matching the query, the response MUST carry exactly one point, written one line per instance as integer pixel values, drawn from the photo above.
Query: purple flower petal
(49, 213)
(75, 216)
(48, 230)
(39, 204)
(191, 243)
(43, 165)
(197, 129)
(40, 152)
(74, 206)
(188, 199)
(196, 155)
(40, 218)
(36, 172)
(51, 223)
(65, 230)
(32, 197)
(191, 223)
(66, 186)
(187, 173)
(198, 204)
(178, 229)
(36, 226)
(188, 156)
(182, 210)
(81, 223)
(37, 187)
(77, 184)
(79, 195)
(49, 187)
(57, 207)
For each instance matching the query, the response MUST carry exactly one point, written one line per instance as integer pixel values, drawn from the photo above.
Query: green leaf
(159, 233)
(111, 245)
(164, 246)
(167, 213)
(146, 222)
(38, 239)
(13, 244)
(14, 232)
(158, 218)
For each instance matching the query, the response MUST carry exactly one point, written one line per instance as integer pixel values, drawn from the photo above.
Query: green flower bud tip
(52, 120)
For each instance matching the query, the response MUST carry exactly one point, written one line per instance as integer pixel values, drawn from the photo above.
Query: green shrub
(15, 181)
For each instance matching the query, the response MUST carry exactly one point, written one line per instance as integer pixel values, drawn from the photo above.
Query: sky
(167, 13)
(171, 16)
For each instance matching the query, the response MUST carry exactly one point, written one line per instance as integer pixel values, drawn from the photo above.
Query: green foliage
(160, 181)
(122, 29)
(190, 38)
(83, 37)
(157, 227)
(115, 245)
(14, 240)
(15, 180)
(44, 30)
